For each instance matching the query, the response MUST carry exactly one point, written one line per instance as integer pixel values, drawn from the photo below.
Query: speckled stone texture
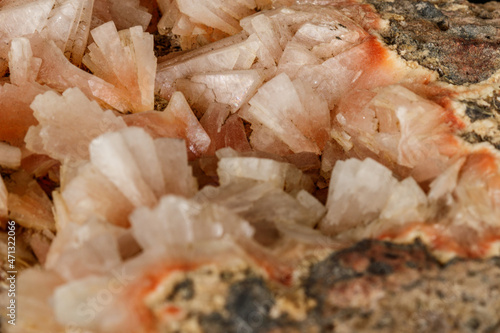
(480, 111)
(373, 286)
(458, 39)
(382, 287)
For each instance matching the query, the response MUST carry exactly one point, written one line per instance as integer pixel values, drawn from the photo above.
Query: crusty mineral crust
(377, 286)
(459, 40)
(371, 287)
(484, 116)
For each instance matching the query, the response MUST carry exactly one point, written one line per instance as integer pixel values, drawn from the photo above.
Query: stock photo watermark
(12, 272)
(88, 310)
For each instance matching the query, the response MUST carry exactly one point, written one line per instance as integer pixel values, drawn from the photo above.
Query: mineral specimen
(231, 184)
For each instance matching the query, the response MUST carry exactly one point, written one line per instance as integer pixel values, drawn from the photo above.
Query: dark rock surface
(373, 286)
(483, 110)
(459, 40)
(376, 286)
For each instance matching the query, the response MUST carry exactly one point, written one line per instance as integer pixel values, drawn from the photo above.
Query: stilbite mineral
(209, 186)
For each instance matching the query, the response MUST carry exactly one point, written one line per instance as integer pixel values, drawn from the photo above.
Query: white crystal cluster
(177, 121)
(46, 50)
(361, 192)
(67, 23)
(281, 129)
(272, 65)
(125, 60)
(366, 200)
(67, 115)
(398, 126)
(127, 169)
(197, 23)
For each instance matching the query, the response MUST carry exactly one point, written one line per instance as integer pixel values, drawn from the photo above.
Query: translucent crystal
(347, 71)
(222, 56)
(111, 154)
(16, 116)
(177, 173)
(176, 121)
(124, 13)
(281, 175)
(232, 88)
(359, 190)
(69, 255)
(277, 105)
(10, 157)
(91, 194)
(206, 12)
(68, 25)
(23, 67)
(224, 131)
(265, 170)
(69, 296)
(24, 17)
(187, 223)
(407, 203)
(34, 296)
(128, 169)
(219, 19)
(67, 124)
(385, 123)
(28, 204)
(127, 61)
(58, 73)
(180, 116)
(295, 56)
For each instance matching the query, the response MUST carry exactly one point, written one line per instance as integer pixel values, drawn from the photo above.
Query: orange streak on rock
(433, 237)
(480, 164)
(146, 284)
(172, 311)
(280, 274)
(378, 52)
